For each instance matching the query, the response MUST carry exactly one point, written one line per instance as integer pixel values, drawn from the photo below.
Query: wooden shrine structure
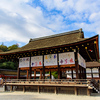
(60, 52)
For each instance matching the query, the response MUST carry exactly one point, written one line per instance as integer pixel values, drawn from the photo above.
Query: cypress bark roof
(51, 41)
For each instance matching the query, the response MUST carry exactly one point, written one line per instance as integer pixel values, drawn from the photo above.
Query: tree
(55, 74)
(4, 64)
(3, 47)
(15, 46)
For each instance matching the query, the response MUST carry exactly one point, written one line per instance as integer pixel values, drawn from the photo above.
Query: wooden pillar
(27, 74)
(55, 90)
(34, 74)
(76, 65)
(72, 72)
(5, 88)
(30, 68)
(85, 73)
(23, 88)
(11, 88)
(80, 72)
(91, 73)
(43, 68)
(38, 89)
(40, 74)
(88, 92)
(99, 72)
(76, 91)
(59, 74)
(18, 73)
(66, 76)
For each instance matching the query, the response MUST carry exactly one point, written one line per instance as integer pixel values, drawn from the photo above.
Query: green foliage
(3, 47)
(8, 65)
(55, 74)
(15, 46)
(4, 64)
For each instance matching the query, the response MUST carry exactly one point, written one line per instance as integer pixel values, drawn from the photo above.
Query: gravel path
(42, 96)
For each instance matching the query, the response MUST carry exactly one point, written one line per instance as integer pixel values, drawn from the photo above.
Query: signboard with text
(36, 61)
(66, 58)
(50, 60)
(81, 61)
(24, 62)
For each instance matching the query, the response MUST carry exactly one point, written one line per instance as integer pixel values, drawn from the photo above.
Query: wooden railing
(51, 81)
(87, 82)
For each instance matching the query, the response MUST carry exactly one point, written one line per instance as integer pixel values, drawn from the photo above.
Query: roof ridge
(60, 34)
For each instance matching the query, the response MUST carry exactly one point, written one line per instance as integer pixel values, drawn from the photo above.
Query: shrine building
(61, 52)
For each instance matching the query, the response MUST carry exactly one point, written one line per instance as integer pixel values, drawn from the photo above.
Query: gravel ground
(42, 96)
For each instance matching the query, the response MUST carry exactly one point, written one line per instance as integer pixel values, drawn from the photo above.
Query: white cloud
(20, 21)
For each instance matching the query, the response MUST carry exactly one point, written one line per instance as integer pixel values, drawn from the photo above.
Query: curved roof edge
(18, 50)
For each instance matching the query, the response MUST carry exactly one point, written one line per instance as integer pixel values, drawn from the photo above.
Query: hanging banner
(24, 62)
(36, 61)
(50, 60)
(81, 61)
(66, 58)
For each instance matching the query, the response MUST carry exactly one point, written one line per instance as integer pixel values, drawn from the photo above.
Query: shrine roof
(51, 41)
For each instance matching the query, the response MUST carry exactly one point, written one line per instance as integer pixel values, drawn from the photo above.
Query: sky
(21, 20)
